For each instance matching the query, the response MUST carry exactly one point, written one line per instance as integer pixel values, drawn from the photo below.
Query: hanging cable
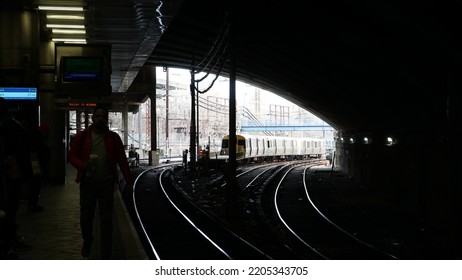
(217, 56)
(216, 77)
(224, 53)
(222, 37)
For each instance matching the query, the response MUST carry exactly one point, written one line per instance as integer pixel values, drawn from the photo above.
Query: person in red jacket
(96, 153)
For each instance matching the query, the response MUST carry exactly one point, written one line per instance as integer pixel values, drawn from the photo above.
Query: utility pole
(232, 183)
(151, 124)
(232, 164)
(197, 117)
(192, 136)
(167, 146)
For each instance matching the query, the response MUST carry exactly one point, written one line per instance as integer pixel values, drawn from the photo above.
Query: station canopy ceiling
(359, 65)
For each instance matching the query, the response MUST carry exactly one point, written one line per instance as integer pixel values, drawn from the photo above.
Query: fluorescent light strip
(60, 8)
(68, 31)
(82, 42)
(71, 17)
(69, 40)
(73, 26)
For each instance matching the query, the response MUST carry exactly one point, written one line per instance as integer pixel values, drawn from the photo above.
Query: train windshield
(225, 143)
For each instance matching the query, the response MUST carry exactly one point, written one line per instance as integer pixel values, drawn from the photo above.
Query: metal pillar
(167, 144)
(192, 144)
(232, 104)
(197, 120)
(232, 183)
(153, 153)
(125, 122)
(139, 128)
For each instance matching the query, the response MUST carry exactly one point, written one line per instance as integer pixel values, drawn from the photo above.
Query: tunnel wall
(413, 172)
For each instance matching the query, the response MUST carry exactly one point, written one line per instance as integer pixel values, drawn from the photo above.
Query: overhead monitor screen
(82, 69)
(18, 93)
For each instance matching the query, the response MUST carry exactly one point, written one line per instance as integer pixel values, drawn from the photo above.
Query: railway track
(175, 228)
(272, 218)
(308, 227)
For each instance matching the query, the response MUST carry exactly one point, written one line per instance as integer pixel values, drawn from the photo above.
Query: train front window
(225, 144)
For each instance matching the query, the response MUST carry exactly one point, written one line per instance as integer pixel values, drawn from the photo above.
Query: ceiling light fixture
(73, 26)
(70, 17)
(60, 8)
(68, 31)
(69, 40)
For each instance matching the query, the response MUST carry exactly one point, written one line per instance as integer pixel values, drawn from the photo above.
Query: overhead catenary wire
(214, 80)
(217, 56)
(222, 36)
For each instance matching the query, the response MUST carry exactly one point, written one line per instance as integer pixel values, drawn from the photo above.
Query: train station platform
(54, 234)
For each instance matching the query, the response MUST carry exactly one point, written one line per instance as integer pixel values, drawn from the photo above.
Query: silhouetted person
(95, 153)
(16, 169)
(133, 155)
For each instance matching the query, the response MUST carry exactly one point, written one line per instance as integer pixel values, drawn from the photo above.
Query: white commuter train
(259, 148)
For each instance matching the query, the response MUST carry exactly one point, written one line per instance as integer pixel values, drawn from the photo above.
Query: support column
(139, 128)
(192, 143)
(58, 120)
(153, 153)
(232, 183)
(125, 123)
(167, 144)
(232, 98)
(57, 138)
